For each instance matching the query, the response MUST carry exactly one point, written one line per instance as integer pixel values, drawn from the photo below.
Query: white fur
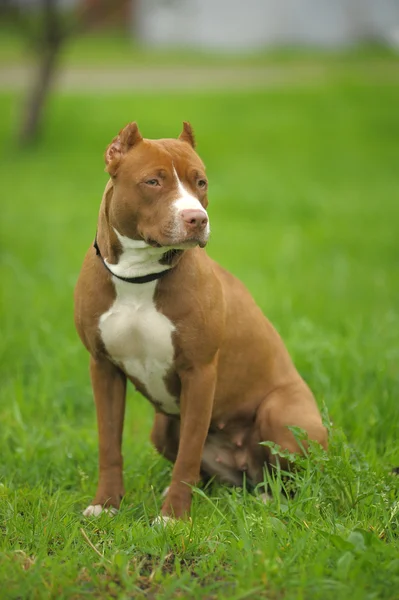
(185, 201)
(163, 520)
(266, 498)
(139, 338)
(138, 258)
(94, 510)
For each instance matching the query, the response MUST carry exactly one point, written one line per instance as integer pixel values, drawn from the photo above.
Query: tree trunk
(51, 42)
(35, 103)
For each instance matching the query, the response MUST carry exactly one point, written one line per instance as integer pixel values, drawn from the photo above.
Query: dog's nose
(194, 218)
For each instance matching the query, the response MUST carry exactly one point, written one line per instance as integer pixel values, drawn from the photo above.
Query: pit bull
(151, 307)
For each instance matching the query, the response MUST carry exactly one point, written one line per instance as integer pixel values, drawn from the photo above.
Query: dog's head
(159, 189)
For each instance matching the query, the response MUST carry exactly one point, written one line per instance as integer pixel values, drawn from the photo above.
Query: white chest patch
(139, 338)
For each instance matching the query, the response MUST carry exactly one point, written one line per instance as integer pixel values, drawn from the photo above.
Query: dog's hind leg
(289, 405)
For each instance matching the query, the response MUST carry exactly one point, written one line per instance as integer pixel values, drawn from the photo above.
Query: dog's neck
(136, 258)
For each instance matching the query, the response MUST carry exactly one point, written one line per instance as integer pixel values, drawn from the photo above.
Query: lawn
(304, 208)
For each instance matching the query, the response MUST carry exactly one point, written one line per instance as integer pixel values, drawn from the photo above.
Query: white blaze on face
(185, 201)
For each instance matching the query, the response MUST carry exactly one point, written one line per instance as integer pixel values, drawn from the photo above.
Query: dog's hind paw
(94, 510)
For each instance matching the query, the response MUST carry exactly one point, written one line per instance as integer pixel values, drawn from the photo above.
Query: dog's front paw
(163, 520)
(177, 502)
(266, 498)
(95, 510)
(107, 499)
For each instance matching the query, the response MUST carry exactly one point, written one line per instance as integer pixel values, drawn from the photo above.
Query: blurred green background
(301, 149)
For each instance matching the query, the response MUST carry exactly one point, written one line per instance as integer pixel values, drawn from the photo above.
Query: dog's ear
(187, 135)
(120, 145)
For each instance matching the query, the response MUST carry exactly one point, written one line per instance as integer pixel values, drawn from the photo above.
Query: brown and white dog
(152, 307)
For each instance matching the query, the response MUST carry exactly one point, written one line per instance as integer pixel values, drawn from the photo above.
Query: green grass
(305, 210)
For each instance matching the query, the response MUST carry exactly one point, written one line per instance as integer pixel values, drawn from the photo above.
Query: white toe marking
(94, 510)
(112, 511)
(266, 498)
(162, 520)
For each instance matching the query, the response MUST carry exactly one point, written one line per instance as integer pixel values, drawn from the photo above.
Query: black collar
(141, 279)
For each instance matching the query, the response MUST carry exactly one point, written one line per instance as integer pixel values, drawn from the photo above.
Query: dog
(153, 308)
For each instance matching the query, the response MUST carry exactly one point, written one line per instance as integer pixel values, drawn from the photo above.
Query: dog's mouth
(183, 245)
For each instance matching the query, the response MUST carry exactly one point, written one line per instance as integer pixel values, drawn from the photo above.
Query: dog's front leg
(196, 402)
(109, 388)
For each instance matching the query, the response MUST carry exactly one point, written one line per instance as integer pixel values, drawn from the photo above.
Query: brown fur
(232, 376)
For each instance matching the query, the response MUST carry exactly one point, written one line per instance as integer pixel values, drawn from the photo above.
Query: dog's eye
(201, 183)
(152, 182)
